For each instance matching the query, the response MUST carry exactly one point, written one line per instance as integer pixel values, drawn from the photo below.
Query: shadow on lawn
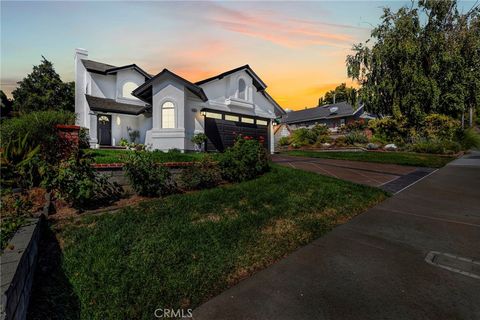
(52, 294)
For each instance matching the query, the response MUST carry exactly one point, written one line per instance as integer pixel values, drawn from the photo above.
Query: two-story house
(169, 110)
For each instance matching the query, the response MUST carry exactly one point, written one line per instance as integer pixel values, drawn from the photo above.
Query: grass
(119, 156)
(402, 158)
(179, 251)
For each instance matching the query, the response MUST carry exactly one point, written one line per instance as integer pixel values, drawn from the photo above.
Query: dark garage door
(221, 133)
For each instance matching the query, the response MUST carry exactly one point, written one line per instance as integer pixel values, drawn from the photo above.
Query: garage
(221, 129)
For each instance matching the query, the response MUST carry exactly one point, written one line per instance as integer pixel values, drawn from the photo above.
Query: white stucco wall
(124, 76)
(102, 86)
(167, 138)
(223, 95)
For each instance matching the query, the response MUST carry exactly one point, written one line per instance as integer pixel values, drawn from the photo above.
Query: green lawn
(403, 158)
(179, 251)
(118, 156)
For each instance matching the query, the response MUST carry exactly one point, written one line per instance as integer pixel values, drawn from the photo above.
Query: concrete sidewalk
(374, 267)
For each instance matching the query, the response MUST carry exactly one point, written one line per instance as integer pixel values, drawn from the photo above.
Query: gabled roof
(279, 110)
(144, 92)
(257, 82)
(110, 105)
(329, 111)
(103, 68)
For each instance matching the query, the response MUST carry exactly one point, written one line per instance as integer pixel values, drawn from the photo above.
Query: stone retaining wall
(18, 262)
(117, 174)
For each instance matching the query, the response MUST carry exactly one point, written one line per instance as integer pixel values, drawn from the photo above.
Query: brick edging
(119, 165)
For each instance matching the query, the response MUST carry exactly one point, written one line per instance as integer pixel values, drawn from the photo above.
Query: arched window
(241, 89)
(168, 115)
(127, 89)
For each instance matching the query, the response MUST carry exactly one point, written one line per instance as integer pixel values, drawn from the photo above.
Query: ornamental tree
(43, 89)
(419, 60)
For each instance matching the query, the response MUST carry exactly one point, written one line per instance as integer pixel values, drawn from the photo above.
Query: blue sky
(298, 48)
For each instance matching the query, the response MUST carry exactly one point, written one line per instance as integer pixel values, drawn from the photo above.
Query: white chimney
(81, 106)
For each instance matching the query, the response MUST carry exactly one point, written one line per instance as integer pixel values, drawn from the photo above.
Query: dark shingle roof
(110, 105)
(103, 68)
(96, 66)
(257, 82)
(328, 111)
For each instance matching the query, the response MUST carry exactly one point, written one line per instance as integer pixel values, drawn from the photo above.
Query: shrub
(133, 134)
(341, 141)
(80, 185)
(199, 139)
(83, 139)
(123, 142)
(356, 137)
(147, 177)
(40, 126)
(302, 137)
(18, 163)
(436, 146)
(40, 129)
(202, 174)
(391, 129)
(284, 141)
(245, 160)
(320, 130)
(357, 125)
(324, 139)
(470, 139)
(439, 126)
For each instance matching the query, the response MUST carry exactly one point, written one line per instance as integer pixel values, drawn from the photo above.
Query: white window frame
(174, 109)
(233, 118)
(128, 94)
(245, 97)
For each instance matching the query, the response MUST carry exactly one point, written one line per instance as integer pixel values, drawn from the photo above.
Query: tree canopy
(341, 93)
(422, 59)
(43, 89)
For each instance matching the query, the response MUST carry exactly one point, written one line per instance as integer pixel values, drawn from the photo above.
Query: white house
(169, 110)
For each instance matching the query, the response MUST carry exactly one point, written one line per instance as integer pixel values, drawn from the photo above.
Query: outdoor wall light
(119, 121)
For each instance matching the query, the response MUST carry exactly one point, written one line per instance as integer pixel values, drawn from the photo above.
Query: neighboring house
(169, 110)
(331, 115)
(281, 130)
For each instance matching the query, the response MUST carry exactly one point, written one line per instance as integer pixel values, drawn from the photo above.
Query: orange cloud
(278, 29)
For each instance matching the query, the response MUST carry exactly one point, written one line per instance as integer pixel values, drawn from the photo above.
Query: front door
(104, 129)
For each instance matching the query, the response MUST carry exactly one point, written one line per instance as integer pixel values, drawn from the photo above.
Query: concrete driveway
(414, 256)
(390, 177)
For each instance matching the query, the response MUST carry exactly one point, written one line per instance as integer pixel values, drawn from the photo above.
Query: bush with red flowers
(246, 160)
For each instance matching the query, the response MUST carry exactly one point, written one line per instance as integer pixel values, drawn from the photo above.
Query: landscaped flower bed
(435, 134)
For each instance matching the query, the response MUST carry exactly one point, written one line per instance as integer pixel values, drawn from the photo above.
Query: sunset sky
(297, 48)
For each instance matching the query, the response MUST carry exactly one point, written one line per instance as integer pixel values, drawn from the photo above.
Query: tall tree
(43, 90)
(423, 59)
(339, 94)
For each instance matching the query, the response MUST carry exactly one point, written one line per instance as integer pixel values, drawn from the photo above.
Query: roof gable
(144, 92)
(257, 82)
